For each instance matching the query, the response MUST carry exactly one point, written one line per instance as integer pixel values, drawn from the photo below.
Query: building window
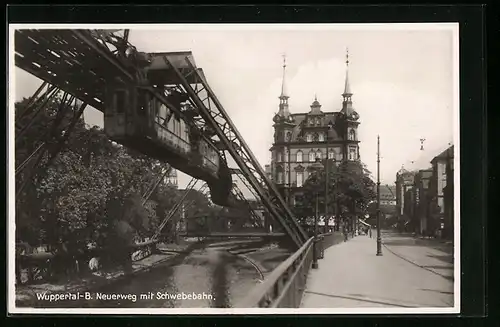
(287, 175)
(316, 137)
(280, 177)
(300, 178)
(318, 122)
(352, 135)
(312, 156)
(321, 137)
(352, 154)
(299, 156)
(309, 138)
(286, 156)
(279, 157)
(289, 136)
(319, 154)
(331, 154)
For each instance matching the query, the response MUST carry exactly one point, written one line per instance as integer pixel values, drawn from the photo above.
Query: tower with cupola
(300, 138)
(349, 120)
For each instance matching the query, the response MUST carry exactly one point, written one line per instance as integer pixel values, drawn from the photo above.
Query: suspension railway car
(136, 118)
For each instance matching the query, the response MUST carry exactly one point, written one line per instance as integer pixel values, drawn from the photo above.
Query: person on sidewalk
(346, 233)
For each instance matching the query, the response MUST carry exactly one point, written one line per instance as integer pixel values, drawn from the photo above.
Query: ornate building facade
(300, 138)
(424, 198)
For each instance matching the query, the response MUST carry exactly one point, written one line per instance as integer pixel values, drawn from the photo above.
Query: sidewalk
(352, 276)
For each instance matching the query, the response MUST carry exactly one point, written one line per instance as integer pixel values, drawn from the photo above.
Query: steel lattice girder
(61, 58)
(175, 208)
(76, 62)
(254, 218)
(215, 116)
(52, 142)
(238, 172)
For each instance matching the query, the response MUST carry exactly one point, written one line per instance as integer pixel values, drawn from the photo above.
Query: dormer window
(309, 138)
(321, 137)
(318, 122)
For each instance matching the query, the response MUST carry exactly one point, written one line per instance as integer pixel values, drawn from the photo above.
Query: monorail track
(83, 65)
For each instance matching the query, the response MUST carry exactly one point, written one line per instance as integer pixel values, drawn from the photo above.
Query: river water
(208, 277)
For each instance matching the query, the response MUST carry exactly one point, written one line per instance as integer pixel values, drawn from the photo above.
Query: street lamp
(317, 166)
(379, 240)
(327, 164)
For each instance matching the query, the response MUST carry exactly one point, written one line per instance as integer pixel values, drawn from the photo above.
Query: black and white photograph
(234, 168)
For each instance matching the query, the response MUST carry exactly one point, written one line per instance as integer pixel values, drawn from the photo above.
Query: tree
(350, 189)
(91, 184)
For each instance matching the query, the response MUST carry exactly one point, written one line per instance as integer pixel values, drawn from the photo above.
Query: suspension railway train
(135, 117)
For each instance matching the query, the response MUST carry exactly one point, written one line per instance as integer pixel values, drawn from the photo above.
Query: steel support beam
(230, 137)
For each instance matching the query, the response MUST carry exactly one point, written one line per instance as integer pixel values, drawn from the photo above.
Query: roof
(300, 120)
(445, 154)
(347, 86)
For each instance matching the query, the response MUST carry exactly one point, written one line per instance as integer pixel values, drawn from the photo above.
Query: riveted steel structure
(85, 64)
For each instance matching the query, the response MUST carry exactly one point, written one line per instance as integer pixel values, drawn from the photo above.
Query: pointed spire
(347, 86)
(283, 111)
(283, 82)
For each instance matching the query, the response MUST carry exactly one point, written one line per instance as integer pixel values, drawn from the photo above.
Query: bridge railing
(285, 285)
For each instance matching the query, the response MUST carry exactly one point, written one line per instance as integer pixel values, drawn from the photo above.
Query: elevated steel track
(81, 63)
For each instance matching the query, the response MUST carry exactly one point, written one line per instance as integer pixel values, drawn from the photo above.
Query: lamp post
(327, 170)
(316, 167)
(327, 220)
(379, 240)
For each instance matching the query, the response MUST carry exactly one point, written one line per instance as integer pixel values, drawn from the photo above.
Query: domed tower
(350, 120)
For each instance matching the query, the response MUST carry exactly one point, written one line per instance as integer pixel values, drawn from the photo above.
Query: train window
(120, 101)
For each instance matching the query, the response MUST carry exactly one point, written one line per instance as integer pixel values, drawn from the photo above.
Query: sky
(404, 79)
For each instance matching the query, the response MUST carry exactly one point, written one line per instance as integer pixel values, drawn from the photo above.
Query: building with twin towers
(300, 138)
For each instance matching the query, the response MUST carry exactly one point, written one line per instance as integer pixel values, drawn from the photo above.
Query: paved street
(430, 254)
(411, 273)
